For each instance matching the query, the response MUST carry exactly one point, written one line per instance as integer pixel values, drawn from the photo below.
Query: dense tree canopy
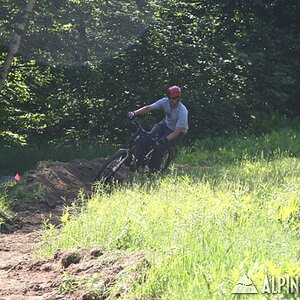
(83, 64)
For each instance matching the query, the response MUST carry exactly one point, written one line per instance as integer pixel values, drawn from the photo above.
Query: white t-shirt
(174, 118)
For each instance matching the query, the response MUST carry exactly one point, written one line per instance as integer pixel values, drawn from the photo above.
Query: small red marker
(17, 177)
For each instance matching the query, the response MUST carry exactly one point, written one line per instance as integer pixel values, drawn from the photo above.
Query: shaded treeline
(83, 64)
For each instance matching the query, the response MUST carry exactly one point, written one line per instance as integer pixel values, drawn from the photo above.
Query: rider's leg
(141, 150)
(176, 141)
(160, 130)
(156, 159)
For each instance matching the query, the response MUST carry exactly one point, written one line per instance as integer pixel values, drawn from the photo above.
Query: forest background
(81, 65)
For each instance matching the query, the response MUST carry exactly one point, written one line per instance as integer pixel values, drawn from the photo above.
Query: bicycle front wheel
(111, 166)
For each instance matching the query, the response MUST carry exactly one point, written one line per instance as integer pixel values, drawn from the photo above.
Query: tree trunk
(15, 42)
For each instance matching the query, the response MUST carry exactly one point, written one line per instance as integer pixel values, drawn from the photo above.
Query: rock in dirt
(92, 295)
(96, 252)
(70, 258)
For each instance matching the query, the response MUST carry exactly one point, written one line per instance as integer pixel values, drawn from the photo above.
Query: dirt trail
(22, 275)
(18, 279)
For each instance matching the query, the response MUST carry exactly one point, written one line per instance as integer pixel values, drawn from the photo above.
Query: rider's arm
(148, 108)
(144, 110)
(174, 134)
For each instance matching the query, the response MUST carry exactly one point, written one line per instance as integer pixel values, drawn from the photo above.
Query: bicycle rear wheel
(159, 162)
(166, 160)
(111, 166)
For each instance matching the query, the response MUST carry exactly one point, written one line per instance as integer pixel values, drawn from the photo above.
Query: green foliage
(6, 215)
(83, 64)
(24, 194)
(228, 149)
(19, 159)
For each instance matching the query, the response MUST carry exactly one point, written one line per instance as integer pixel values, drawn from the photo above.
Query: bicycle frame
(135, 139)
(128, 151)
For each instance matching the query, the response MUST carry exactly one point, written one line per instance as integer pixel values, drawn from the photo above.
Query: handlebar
(137, 124)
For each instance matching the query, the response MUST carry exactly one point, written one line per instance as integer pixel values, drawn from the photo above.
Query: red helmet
(174, 91)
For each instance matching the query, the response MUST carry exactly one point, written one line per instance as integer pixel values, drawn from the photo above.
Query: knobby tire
(165, 165)
(106, 173)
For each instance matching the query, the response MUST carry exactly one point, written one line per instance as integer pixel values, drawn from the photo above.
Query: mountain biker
(172, 128)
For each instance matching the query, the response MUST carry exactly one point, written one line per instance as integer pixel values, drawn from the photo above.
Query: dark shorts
(161, 130)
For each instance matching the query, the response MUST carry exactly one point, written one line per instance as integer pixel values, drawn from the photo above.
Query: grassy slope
(233, 211)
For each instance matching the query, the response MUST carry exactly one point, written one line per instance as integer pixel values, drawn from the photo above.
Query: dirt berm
(53, 184)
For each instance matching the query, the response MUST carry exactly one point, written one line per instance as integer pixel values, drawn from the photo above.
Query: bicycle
(137, 153)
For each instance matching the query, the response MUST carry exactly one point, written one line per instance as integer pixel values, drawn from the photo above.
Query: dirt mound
(97, 274)
(56, 183)
(80, 274)
(41, 193)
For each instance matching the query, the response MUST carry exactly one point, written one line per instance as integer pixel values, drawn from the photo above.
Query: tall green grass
(227, 149)
(232, 211)
(6, 215)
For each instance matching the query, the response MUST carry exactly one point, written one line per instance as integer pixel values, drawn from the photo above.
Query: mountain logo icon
(244, 286)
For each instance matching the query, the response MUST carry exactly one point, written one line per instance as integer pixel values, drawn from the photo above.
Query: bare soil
(81, 274)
